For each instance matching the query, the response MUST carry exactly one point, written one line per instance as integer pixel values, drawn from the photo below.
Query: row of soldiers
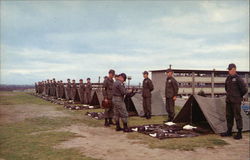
(68, 91)
(115, 91)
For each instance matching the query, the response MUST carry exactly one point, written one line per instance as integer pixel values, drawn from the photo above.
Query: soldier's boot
(126, 129)
(118, 127)
(228, 133)
(148, 116)
(111, 122)
(106, 124)
(238, 135)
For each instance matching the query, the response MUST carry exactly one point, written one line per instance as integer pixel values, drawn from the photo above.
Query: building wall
(201, 83)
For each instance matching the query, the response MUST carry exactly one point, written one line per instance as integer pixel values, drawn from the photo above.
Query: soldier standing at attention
(81, 91)
(107, 95)
(54, 87)
(171, 92)
(120, 111)
(47, 87)
(50, 87)
(73, 90)
(36, 87)
(88, 89)
(236, 89)
(61, 89)
(68, 89)
(147, 88)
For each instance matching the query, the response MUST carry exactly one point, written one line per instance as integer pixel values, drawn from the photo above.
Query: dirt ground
(107, 144)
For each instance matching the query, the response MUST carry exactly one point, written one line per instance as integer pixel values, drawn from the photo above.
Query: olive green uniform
(171, 90)
(81, 92)
(73, 91)
(61, 90)
(68, 90)
(108, 94)
(120, 111)
(236, 89)
(147, 88)
(88, 89)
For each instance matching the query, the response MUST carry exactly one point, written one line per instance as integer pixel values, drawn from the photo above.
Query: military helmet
(124, 76)
(145, 72)
(111, 71)
(231, 66)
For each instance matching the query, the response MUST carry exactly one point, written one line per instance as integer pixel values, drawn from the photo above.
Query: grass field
(35, 138)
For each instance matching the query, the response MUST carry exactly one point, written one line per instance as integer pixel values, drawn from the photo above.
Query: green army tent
(97, 98)
(210, 110)
(135, 104)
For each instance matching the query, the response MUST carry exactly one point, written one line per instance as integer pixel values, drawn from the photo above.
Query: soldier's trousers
(88, 97)
(109, 112)
(68, 92)
(120, 111)
(170, 108)
(233, 110)
(147, 105)
(81, 96)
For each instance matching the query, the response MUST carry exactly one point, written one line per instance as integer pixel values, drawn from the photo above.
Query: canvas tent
(211, 110)
(135, 104)
(97, 98)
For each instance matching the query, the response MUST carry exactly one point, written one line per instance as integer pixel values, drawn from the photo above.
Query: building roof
(199, 71)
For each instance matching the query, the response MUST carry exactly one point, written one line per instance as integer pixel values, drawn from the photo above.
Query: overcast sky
(80, 39)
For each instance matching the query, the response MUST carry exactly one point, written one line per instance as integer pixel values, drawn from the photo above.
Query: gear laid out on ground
(96, 115)
(163, 131)
(79, 107)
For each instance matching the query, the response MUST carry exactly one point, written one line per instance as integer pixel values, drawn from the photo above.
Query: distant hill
(15, 87)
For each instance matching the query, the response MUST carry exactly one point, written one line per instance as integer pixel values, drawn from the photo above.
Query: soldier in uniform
(236, 89)
(36, 87)
(58, 89)
(73, 90)
(107, 95)
(47, 88)
(88, 89)
(81, 91)
(68, 89)
(171, 91)
(120, 111)
(54, 87)
(61, 89)
(147, 88)
(50, 88)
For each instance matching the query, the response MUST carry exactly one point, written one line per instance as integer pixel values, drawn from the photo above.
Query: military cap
(112, 71)
(124, 76)
(88, 78)
(169, 70)
(231, 66)
(145, 72)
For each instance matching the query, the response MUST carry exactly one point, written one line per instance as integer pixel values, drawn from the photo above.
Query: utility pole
(212, 84)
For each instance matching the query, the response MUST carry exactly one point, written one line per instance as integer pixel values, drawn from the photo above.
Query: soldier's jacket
(73, 90)
(81, 87)
(88, 87)
(171, 87)
(147, 87)
(108, 88)
(68, 86)
(119, 89)
(235, 88)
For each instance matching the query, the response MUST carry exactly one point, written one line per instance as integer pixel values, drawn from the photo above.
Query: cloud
(80, 39)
